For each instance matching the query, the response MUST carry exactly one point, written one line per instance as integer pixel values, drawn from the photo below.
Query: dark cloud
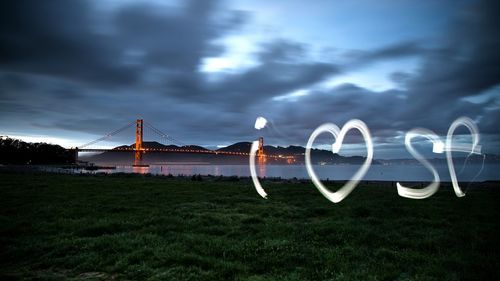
(177, 41)
(281, 69)
(269, 80)
(358, 58)
(91, 65)
(71, 66)
(400, 78)
(71, 39)
(434, 98)
(58, 38)
(465, 67)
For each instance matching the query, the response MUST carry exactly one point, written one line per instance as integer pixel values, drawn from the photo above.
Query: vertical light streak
(253, 172)
(260, 123)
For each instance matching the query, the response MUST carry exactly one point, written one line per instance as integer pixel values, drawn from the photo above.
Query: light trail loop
(449, 148)
(339, 135)
(430, 189)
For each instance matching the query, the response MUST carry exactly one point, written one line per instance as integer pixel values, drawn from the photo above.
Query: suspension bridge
(176, 146)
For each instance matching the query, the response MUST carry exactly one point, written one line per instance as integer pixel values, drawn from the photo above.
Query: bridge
(138, 149)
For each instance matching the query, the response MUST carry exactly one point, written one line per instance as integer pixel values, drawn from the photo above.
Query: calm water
(472, 172)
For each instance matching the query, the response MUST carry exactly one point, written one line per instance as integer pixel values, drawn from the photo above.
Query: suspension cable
(108, 135)
(163, 135)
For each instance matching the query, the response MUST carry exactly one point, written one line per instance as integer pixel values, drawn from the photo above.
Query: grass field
(59, 227)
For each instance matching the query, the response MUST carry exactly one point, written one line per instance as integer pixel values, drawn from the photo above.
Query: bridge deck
(179, 150)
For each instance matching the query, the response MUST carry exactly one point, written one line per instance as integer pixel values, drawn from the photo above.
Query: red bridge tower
(138, 142)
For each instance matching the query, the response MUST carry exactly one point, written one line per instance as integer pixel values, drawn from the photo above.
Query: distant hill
(319, 156)
(237, 147)
(149, 144)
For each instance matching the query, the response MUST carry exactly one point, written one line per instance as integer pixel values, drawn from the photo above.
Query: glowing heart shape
(339, 135)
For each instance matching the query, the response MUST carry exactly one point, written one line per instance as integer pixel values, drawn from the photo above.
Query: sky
(203, 71)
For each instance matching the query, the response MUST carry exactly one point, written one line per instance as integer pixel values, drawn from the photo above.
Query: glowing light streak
(475, 148)
(407, 192)
(253, 150)
(339, 135)
(432, 187)
(260, 123)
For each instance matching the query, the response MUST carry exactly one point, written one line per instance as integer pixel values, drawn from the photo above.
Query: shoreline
(15, 169)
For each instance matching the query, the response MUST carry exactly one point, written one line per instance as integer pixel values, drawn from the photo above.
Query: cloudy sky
(202, 71)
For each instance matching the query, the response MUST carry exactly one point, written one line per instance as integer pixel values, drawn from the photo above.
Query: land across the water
(279, 156)
(139, 227)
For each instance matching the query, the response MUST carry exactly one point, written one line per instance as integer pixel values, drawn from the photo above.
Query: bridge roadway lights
(139, 150)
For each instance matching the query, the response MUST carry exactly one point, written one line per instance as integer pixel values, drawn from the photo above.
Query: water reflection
(332, 172)
(140, 169)
(262, 170)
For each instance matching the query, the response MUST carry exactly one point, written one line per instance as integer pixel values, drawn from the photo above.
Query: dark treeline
(13, 151)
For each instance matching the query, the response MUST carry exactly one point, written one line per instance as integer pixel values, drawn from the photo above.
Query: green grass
(59, 227)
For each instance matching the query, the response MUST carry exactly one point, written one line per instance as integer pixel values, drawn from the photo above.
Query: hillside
(318, 156)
